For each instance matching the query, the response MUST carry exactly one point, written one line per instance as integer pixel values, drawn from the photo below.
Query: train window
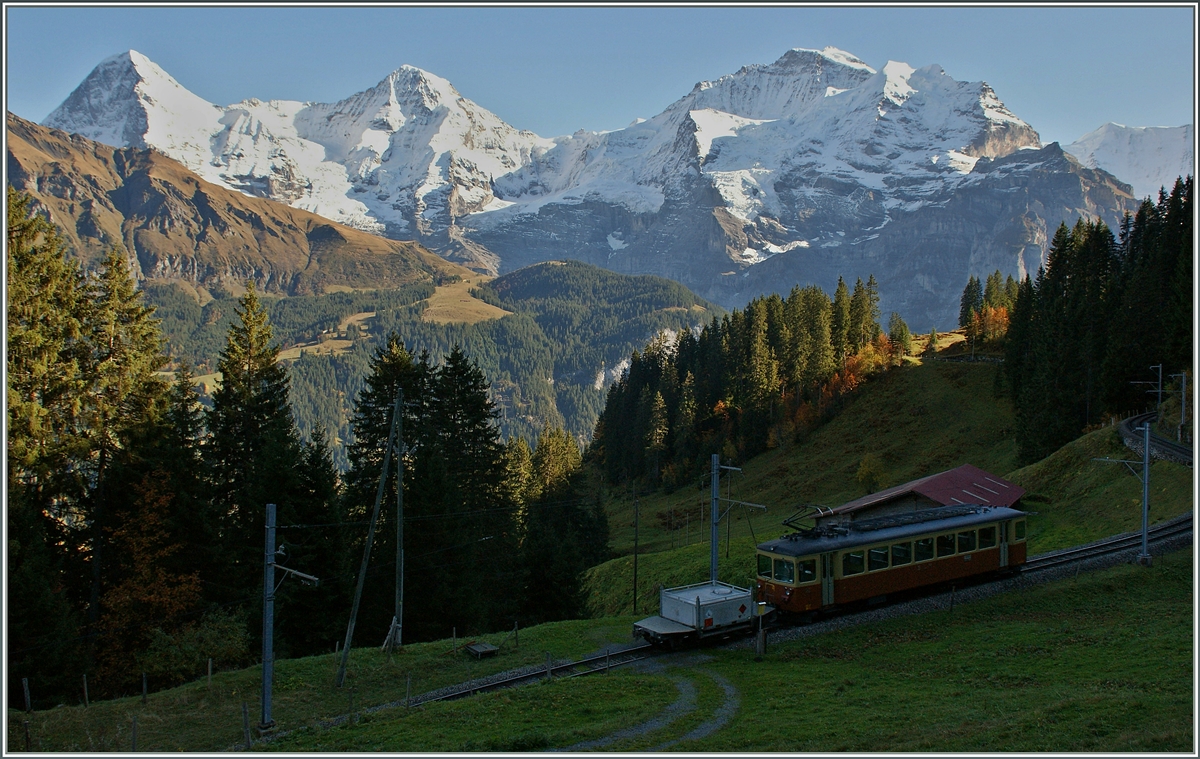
(1019, 529)
(966, 541)
(808, 570)
(987, 537)
(923, 550)
(901, 553)
(785, 571)
(764, 566)
(852, 563)
(877, 558)
(945, 545)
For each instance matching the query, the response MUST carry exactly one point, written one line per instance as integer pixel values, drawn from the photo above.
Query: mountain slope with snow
(816, 162)
(1149, 158)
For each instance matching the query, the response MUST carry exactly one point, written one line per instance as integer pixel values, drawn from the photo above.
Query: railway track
(1160, 446)
(1176, 527)
(587, 666)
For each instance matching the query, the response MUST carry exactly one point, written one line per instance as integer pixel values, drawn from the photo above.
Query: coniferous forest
(568, 322)
(1091, 325)
(747, 382)
(136, 514)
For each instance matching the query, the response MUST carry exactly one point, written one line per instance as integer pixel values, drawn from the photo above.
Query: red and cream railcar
(865, 559)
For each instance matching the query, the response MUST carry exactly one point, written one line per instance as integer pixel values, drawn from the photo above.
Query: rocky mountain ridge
(177, 226)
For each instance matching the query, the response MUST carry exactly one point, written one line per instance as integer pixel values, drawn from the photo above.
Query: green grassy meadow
(200, 717)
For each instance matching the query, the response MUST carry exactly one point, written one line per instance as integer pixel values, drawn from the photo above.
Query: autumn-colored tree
(141, 595)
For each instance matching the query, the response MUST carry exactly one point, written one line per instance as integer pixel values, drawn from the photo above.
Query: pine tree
(860, 314)
(657, 429)
(518, 475)
(899, 335)
(971, 301)
(482, 584)
(254, 448)
(126, 351)
(931, 343)
(562, 536)
(392, 369)
(840, 323)
(47, 355)
(817, 317)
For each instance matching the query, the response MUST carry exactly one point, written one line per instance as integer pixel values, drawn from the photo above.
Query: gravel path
(685, 704)
(722, 715)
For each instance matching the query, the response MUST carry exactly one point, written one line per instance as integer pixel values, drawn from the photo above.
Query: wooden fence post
(143, 687)
(210, 671)
(28, 703)
(85, 693)
(246, 724)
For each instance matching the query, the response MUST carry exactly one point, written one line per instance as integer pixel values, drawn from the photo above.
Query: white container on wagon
(708, 608)
(698, 611)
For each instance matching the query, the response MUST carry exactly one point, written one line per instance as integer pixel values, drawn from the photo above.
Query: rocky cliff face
(178, 226)
(776, 175)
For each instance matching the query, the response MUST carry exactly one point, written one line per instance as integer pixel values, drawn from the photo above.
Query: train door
(827, 579)
(1004, 544)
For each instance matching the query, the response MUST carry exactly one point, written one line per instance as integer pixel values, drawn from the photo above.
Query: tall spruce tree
(254, 449)
(122, 389)
(46, 354)
(564, 534)
(392, 370)
(971, 301)
(840, 323)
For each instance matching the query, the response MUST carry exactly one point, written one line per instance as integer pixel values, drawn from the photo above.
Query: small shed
(966, 484)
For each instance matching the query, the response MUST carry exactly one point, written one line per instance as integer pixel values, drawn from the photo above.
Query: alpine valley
(812, 167)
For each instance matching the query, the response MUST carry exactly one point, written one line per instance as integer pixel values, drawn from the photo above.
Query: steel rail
(1118, 544)
(1175, 450)
(591, 665)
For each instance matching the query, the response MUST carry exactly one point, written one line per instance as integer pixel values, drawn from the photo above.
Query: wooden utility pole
(362, 571)
(395, 638)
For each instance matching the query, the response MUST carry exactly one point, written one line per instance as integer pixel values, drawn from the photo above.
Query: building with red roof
(965, 485)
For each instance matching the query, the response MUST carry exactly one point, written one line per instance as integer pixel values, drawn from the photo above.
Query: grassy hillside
(919, 420)
(1098, 663)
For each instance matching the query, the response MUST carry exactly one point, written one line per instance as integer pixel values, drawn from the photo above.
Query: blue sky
(1065, 70)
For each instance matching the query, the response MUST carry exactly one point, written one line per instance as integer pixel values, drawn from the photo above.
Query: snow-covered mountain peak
(129, 100)
(896, 87)
(838, 56)
(1149, 158)
(776, 90)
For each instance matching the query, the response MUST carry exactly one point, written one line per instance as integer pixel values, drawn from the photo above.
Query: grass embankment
(199, 717)
(1078, 499)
